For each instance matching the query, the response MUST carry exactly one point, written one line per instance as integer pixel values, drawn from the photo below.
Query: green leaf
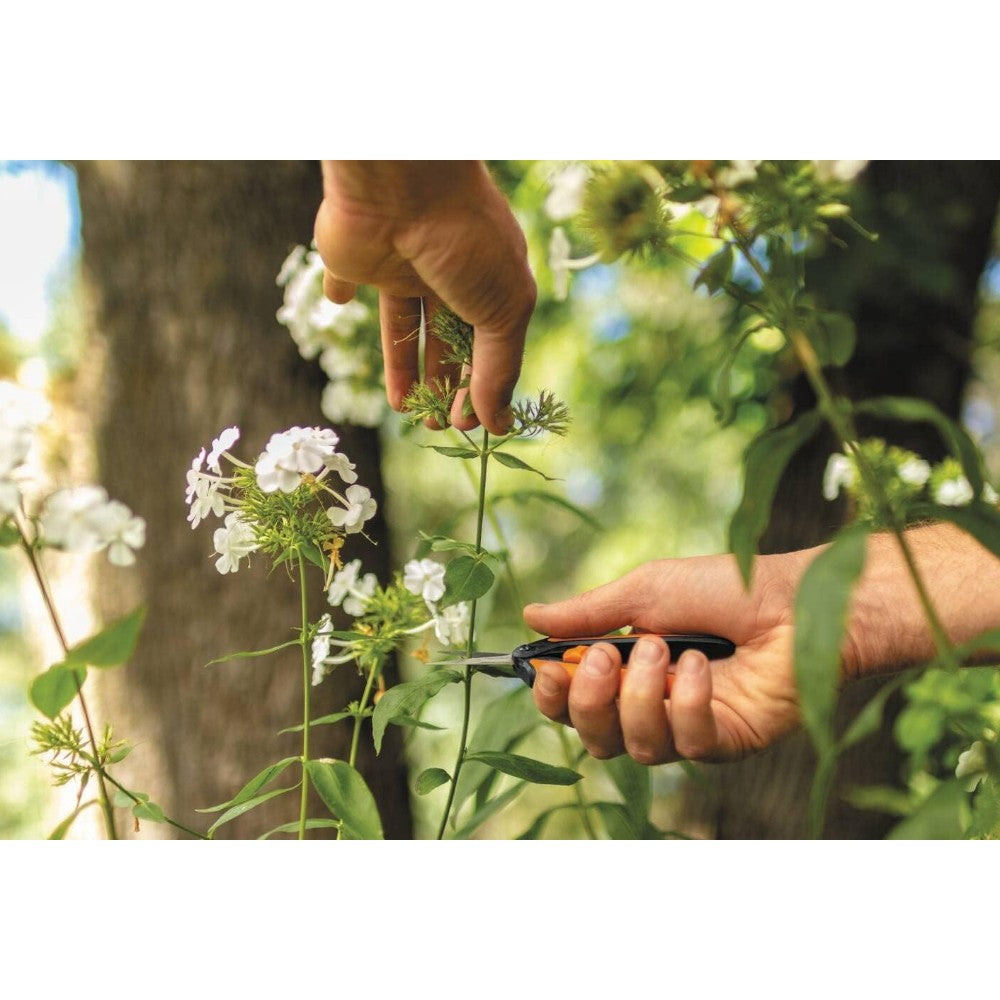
(717, 270)
(323, 720)
(617, 821)
(452, 452)
(442, 543)
(246, 806)
(986, 810)
(686, 193)
(489, 810)
(535, 771)
(120, 754)
(314, 555)
(880, 798)
(256, 652)
(723, 402)
(919, 727)
(148, 810)
(513, 462)
(311, 824)
(944, 816)
(820, 617)
(764, 463)
(502, 722)
(9, 535)
(407, 720)
(635, 784)
(920, 411)
(519, 496)
(466, 578)
(125, 800)
(407, 699)
(832, 336)
(346, 795)
(112, 645)
(52, 691)
(534, 831)
(869, 720)
(430, 779)
(63, 828)
(254, 785)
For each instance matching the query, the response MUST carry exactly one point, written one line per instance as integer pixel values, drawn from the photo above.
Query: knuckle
(691, 748)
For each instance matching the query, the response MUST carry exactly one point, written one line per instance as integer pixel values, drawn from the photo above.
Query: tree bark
(180, 260)
(913, 297)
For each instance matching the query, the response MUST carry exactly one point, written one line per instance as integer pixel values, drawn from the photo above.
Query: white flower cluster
(946, 484)
(355, 393)
(287, 459)
(77, 519)
(425, 578)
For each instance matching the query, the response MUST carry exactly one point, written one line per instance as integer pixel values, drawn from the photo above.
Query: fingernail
(646, 653)
(596, 663)
(546, 684)
(690, 663)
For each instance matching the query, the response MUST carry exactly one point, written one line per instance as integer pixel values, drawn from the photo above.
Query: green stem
(106, 808)
(166, 819)
(581, 801)
(306, 686)
(359, 718)
(484, 458)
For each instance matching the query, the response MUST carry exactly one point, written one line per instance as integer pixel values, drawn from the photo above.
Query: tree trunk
(913, 296)
(180, 261)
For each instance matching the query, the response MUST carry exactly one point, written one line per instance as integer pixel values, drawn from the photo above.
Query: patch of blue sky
(990, 282)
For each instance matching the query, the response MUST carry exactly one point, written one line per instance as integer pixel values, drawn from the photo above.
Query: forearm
(889, 628)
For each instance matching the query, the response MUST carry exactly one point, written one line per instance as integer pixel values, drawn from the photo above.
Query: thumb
(593, 612)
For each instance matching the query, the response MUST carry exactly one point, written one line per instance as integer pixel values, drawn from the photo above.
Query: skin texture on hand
(436, 232)
(733, 707)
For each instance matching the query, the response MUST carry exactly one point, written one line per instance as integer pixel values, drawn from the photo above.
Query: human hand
(437, 232)
(718, 711)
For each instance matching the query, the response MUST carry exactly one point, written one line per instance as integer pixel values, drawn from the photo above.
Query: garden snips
(523, 660)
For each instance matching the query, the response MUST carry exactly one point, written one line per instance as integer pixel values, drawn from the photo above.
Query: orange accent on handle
(570, 665)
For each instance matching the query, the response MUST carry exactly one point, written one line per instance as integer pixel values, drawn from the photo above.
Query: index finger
(496, 364)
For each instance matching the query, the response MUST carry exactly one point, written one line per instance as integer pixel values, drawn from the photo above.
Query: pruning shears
(524, 660)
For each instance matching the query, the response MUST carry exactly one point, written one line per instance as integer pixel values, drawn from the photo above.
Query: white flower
(194, 475)
(915, 472)
(360, 507)
(424, 577)
(20, 407)
(118, 528)
(559, 258)
(972, 765)
(839, 170)
(221, 444)
(343, 466)
(292, 263)
(738, 172)
(292, 454)
(205, 500)
(953, 492)
(346, 401)
(565, 197)
(355, 593)
(69, 518)
(839, 474)
(233, 542)
(451, 626)
(321, 649)
(339, 361)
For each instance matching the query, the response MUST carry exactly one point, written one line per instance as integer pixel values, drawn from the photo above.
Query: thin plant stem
(303, 802)
(359, 718)
(166, 819)
(109, 816)
(484, 458)
(581, 802)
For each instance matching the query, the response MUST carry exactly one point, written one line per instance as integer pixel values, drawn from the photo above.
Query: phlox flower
(346, 401)
(293, 453)
(222, 444)
(82, 519)
(565, 197)
(360, 507)
(425, 578)
(839, 474)
(954, 492)
(451, 626)
(355, 593)
(839, 170)
(120, 530)
(233, 542)
(206, 500)
(561, 263)
(915, 472)
(321, 649)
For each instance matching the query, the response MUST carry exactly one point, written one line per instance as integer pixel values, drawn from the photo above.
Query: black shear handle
(713, 646)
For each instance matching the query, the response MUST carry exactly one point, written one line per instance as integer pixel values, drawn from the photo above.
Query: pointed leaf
(617, 821)
(717, 270)
(311, 824)
(869, 720)
(407, 699)
(451, 451)
(820, 617)
(466, 578)
(534, 832)
(430, 779)
(252, 653)
(247, 805)
(920, 411)
(635, 784)
(323, 720)
(112, 645)
(489, 810)
(535, 771)
(346, 795)
(148, 810)
(253, 786)
(52, 691)
(832, 336)
(944, 816)
(63, 828)
(765, 461)
(513, 462)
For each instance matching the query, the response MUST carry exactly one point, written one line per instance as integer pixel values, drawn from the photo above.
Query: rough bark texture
(180, 259)
(913, 296)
